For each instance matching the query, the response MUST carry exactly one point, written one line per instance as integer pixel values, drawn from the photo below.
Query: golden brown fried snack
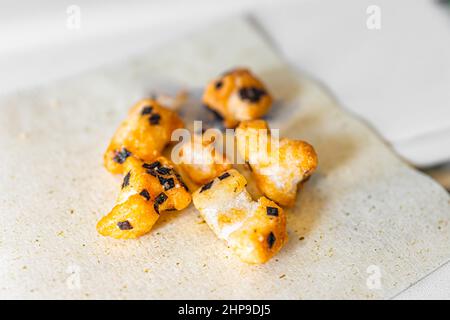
(147, 190)
(255, 230)
(130, 219)
(278, 169)
(144, 134)
(201, 161)
(236, 96)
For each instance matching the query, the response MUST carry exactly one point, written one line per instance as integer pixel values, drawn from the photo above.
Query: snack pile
(254, 230)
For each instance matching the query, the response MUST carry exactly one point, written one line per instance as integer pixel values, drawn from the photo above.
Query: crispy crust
(237, 95)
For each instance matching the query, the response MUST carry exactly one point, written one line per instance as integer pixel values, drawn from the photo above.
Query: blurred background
(386, 61)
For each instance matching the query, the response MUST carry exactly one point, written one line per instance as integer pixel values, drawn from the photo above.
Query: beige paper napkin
(366, 225)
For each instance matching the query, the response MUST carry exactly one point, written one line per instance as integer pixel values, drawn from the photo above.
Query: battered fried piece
(236, 96)
(255, 230)
(277, 169)
(201, 161)
(130, 219)
(144, 134)
(160, 180)
(147, 189)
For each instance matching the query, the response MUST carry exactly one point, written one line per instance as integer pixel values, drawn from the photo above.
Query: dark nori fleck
(145, 194)
(146, 110)
(224, 176)
(166, 183)
(122, 155)
(152, 165)
(181, 181)
(154, 119)
(163, 170)
(272, 211)
(126, 180)
(207, 186)
(251, 94)
(124, 225)
(271, 240)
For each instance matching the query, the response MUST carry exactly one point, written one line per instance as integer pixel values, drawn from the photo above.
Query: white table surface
(396, 78)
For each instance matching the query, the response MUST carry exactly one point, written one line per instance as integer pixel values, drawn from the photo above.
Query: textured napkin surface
(365, 226)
